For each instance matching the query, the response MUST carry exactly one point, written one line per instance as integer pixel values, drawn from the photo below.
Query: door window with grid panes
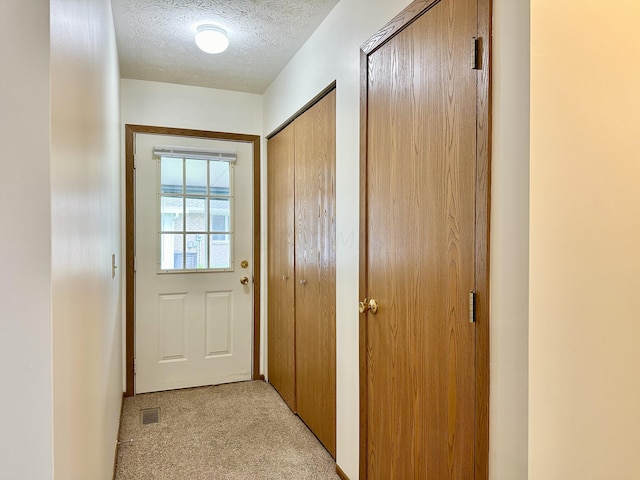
(195, 215)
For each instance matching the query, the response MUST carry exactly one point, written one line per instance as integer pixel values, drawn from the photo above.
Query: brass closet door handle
(370, 305)
(244, 281)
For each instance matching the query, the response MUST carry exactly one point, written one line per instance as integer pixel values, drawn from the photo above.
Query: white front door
(193, 221)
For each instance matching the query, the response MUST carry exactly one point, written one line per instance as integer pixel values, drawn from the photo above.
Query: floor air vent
(150, 415)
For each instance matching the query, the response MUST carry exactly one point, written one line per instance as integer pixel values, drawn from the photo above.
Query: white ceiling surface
(156, 39)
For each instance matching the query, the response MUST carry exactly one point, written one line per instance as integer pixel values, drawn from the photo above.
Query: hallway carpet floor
(239, 431)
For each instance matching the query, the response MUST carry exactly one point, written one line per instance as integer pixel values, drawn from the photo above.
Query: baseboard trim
(340, 473)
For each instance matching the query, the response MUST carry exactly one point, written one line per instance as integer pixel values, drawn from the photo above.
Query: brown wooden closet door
(315, 270)
(420, 239)
(281, 275)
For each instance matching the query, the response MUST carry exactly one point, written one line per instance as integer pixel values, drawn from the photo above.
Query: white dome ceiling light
(211, 39)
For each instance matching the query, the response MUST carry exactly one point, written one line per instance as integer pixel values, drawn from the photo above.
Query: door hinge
(135, 161)
(135, 263)
(472, 306)
(475, 48)
(135, 365)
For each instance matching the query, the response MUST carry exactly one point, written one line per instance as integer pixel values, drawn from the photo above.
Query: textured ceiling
(155, 39)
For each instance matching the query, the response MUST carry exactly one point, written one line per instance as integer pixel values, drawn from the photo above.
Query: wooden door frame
(130, 132)
(483, 181)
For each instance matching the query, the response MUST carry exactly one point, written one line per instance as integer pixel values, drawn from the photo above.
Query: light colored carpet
(240, 431)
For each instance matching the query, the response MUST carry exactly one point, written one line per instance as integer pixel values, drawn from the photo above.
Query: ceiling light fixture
(211, 39)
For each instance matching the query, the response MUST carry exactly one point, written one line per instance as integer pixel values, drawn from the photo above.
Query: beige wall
(25, 247)
(509, 242)
(585, 232)
(85, 232)
(60, 337)
(181, 106)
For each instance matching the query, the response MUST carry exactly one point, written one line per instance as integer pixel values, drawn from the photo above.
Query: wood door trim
(483, 209)
(362, 330)
(401, 21)
(130, 131)
(304, 108)
(340, 473)
(482, 228)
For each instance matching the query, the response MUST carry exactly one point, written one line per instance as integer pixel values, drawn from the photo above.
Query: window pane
(196, 227)
(220, 211)
(196, 256)
(218, 178)
(171, 214)
(171, 252)
(170, 175)
(196, 215)
(220, 251)
(196, 183)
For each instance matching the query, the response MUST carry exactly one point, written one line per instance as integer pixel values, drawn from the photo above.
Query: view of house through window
(196, 214)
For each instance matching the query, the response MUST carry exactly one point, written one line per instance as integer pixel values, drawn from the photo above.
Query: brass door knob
(303, 282)
(244, 281)
(370, 305)
(373, 306)
(362, 306)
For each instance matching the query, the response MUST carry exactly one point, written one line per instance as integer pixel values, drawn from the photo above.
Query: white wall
(332, 53)
(585, 236)
(25, 249)
(180, 106)
(60, 330)
(85, 232)
(508, 413)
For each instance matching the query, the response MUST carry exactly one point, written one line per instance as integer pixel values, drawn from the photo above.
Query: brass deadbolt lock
(244, 263)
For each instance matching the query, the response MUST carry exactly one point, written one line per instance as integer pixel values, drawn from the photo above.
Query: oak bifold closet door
(301, 208)
(315, 269)
(280, 234)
